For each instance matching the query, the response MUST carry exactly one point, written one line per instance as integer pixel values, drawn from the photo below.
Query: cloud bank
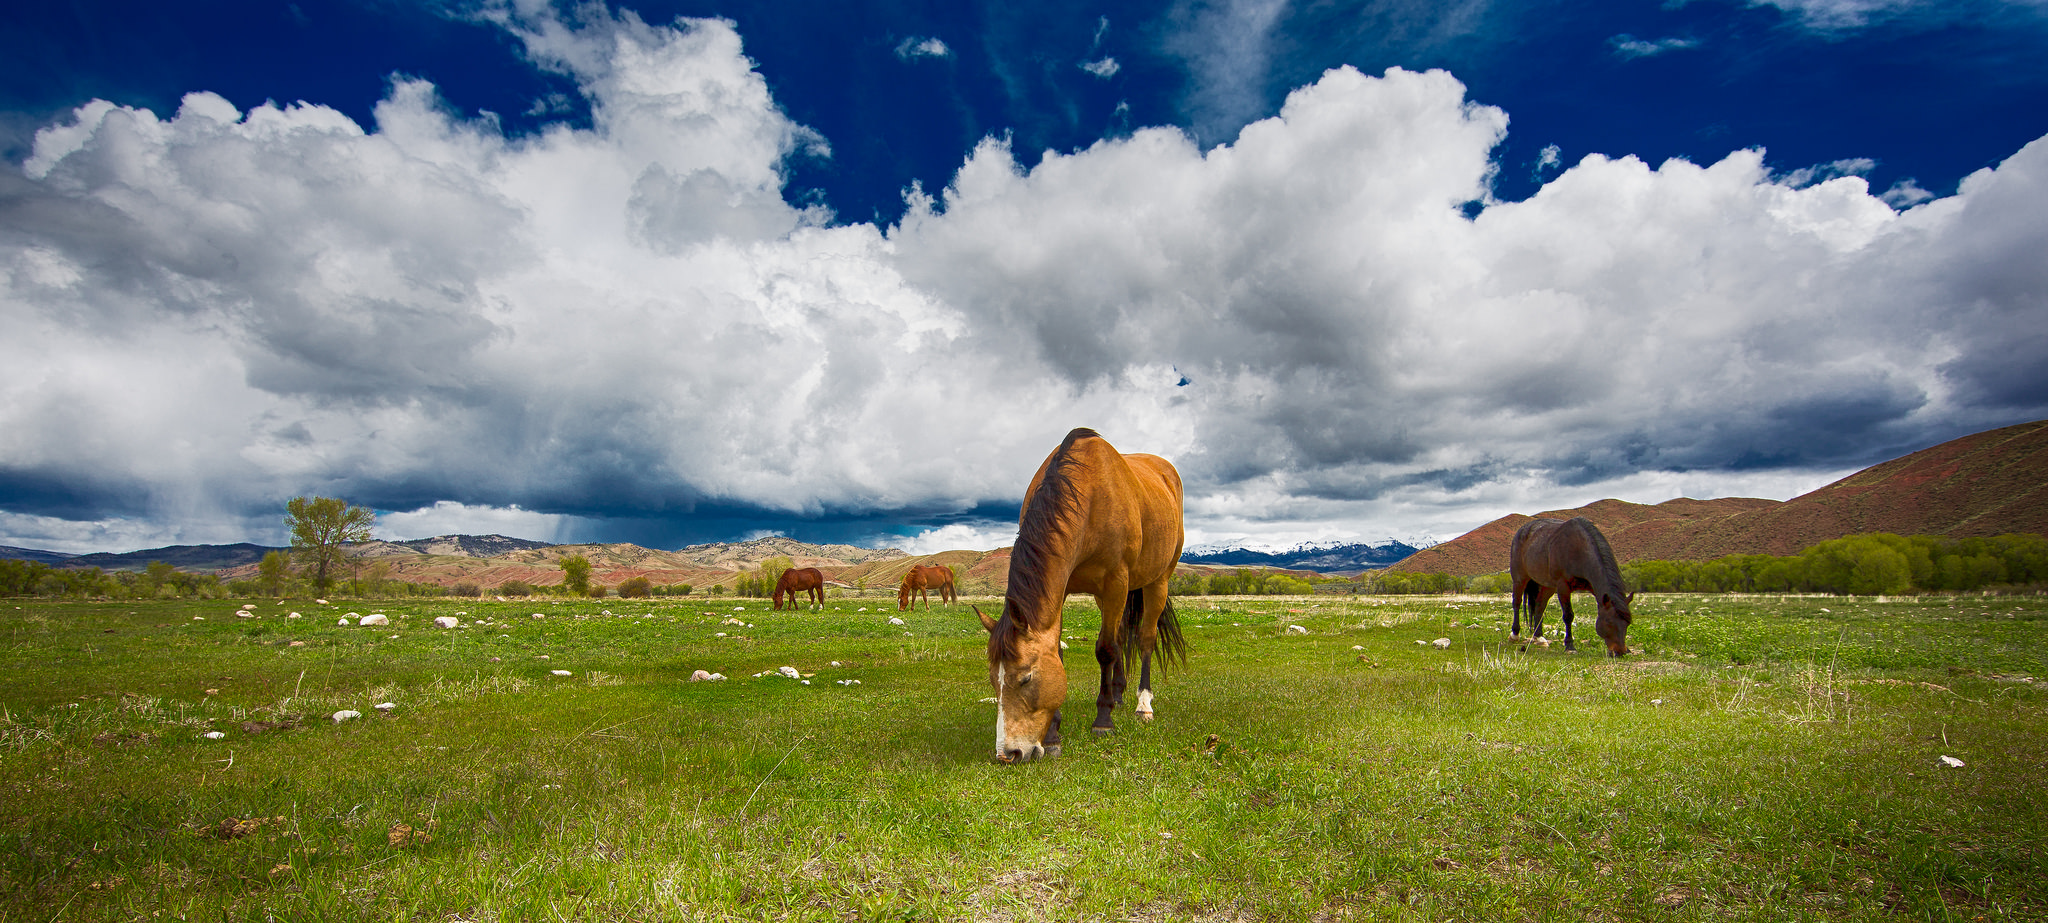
(213, 312)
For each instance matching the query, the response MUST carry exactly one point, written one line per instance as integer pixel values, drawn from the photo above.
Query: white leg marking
(1144, 705)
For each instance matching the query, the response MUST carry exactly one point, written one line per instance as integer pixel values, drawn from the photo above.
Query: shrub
(597, 591)
(465, 588)
(515, 588)
(634, 588)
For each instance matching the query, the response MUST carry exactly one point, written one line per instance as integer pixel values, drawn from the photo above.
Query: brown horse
(922, 577)
(800, 580)
(1559, 556)
(1099, 522)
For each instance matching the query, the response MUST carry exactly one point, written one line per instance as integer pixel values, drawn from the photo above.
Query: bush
(515, 588)
(465, 588)
(634, 588)
(597, 591)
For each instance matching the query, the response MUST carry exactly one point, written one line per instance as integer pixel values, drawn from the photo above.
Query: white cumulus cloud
(216, 311)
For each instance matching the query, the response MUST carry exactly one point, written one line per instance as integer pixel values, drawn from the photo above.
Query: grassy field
(1759, 759)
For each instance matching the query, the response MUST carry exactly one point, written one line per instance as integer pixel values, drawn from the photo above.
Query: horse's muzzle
(1007, 757)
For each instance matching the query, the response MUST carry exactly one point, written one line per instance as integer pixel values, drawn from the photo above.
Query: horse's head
(1613, 622)
(903, 596)
(1030, 682)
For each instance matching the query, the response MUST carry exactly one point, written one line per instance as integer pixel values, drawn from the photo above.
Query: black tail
(1172, 646)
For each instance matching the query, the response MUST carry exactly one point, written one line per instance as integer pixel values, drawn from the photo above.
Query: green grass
(1759, 759)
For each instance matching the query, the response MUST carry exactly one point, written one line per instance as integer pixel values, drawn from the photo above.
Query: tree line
(1875, 563)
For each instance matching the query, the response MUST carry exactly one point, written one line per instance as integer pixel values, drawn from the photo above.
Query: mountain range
(1307, 556)
(1990, 483)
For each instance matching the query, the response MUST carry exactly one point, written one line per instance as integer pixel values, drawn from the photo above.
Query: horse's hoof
(1145, 716)
(1052, 752)
(1102, 731)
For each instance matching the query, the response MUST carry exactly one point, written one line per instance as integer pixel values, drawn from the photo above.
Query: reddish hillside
(1987, 484)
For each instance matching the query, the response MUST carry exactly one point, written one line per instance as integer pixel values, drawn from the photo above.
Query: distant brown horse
(1099, 522)
(1559, 556)
(922, 577)
(798, 580)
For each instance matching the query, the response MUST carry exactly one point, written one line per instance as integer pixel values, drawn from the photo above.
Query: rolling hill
(1989, 483)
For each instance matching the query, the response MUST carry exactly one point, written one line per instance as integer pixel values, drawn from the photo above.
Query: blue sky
(672, 273)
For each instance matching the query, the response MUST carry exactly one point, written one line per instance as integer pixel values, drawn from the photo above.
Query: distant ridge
(461, 546)
(1989, 483)
(1325, 558)
(182, 557)
(11, 553)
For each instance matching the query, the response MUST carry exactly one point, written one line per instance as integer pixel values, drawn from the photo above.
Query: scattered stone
(321, 601)
(346, 714)
(1442, 643)
(446, 621)
(539, 615)
(244, 614)
(1949, 761)
(835, 663)
(700, 676)
(341, 621)
(385, 706)
(1297, 630)
(292, 616)
(562, 673)
(739, 608)
(895, 621)
(296, 644)
(790, 672)
(1358, 647)
(213, 735)
(201, 618)
(376, 618)
(1421, 642)
(849, 682)
(806, 682)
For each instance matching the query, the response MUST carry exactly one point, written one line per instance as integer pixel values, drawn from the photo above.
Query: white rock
(346, 714)
(807, 682)
(718, 677)
(739, 608)
(1950, 761)
(1358, 647)
(374, 619)
(790, 672)
(719, 635)
(446, 621)
(341, 621)
(292, 616)
(561, 673)
(700, 676)
(321, 601)
(244, 614)
(385, 706)
(1297, 630)
(895, 621)
(539, 616)
(355, 615)
(863, 609)
(248, 605)
(213, 735)
(1421, 642)
(1444, 643)
(1063, 645)
(607, 611)
(835, 663)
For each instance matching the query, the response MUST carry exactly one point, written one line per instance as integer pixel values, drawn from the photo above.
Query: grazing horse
(1099, 522)
(1559, 556)
(922, 577)
(800, 580)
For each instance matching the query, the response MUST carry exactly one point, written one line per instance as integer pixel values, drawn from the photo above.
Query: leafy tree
(321, 527)
(576, 574)
(273, 571)
(19, 578)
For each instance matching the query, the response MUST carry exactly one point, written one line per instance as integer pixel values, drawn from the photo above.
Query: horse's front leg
(1109, 656)
(1564, 602)
(1052, 735)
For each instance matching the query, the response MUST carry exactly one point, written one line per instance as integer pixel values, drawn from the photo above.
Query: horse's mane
(1610, 571)
(1048, 514)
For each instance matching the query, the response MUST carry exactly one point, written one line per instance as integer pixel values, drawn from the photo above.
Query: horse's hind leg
(1564, 602)
(1155, 602)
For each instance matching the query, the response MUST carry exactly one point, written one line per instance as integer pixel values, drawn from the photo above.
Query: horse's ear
(1631, 598)
(987, 624)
